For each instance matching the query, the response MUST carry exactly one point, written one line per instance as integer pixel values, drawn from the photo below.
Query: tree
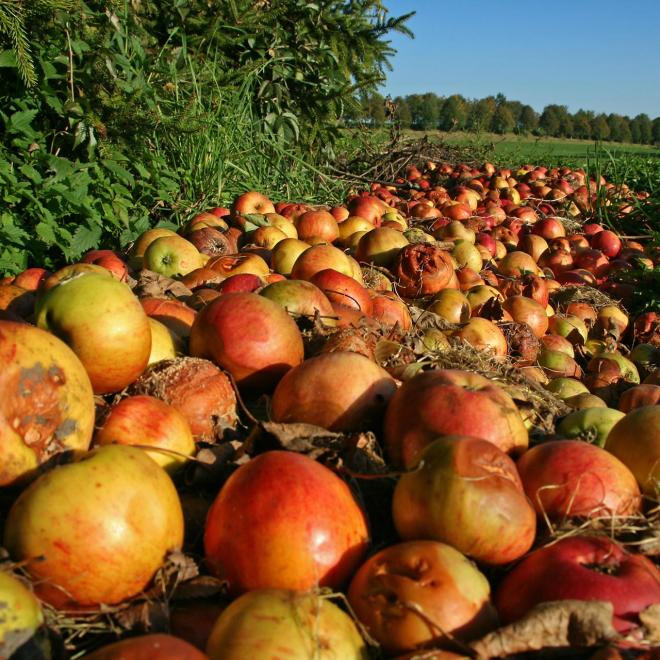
(481, 114)
(600, 129)
(619, 128)
(550, 120)
(453, 114)
(582, 121)
(528, 120)
(656, 130)
(403, 114)
(373, 108)
(641, 129)
(503, 120)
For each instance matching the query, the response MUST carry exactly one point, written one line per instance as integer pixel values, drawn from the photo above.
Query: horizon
(443, 60)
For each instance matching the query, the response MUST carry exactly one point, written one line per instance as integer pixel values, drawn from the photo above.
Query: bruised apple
(284, 521)
(394, 585)
(95, 531)
(309, 393)
(253, 338)
(157, 646)
(279, 623)
(46, 400)
(450, 402)
(466, 492)
(581, 568)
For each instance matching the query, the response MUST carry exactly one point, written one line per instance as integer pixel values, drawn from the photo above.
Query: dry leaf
(203, 586)
(154, 285)
(650, 619)
(564, 623)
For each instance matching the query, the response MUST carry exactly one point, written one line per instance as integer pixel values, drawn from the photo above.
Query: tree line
(500, 115)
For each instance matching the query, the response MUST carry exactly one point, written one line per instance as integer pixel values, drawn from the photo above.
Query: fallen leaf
(557, 624)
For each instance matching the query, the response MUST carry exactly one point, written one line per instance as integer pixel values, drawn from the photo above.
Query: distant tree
(619, 128)
(582, 121)
(641, 129)
(600, 128)
(656, 130)
(480, 115)
(373, 108)
(453, 114)
(403, 114)
(503, 120)
(429, 111)
(550, 122)
(528, 119)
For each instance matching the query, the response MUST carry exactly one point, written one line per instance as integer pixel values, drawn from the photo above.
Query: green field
(515, 149)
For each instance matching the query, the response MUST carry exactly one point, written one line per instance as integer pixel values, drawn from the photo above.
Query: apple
(164, 344)
(108, 259)
(148, 422)
(174, 314)
(143, 241)
(31, 279)
(313, 226)
(22, 617)
(155, 646)
(105, 325)
(452, 305)
(284, 521)
(46, 400)
(484, 335)
(343, 290)
(638, 396)
(300, 298)
(635, 440)
(450, 402)
(234, 264)
(280, 623)
(212, 242)
(252, 202)
(380, 246)
(172, 256)
(394, 585)
(581, 568)
(572, 478)
(95, 531)
(253, 338)
(320, 257)
(340, 391)
(198, 389)
(466, 492)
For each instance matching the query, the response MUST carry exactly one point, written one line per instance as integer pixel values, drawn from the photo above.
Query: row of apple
(488, 254)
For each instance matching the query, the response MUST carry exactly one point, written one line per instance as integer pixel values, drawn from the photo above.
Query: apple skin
(572, 478)
(298, 297)
(466, 492)
(31, 278)
(426, 575)
(318, 258)
(102, 524)
(104, 324)
(280, 623)
(156, 646)
(450, 402)
(340, 391)
(172, 256)
(108, 259)
(143, 241)
(252, 202)
(635, 440)
(149, 422)
(284, 521)
(343, 290)
(253, 338)
(22, 616)
(568, 569)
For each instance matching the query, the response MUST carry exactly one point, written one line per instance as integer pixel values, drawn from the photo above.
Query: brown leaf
(148, 615)
(203, 586)
(561, 623)
(154, 285)
(650, 619)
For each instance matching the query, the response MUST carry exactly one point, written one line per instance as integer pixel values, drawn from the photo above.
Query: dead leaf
(563, 623)
(147, 615)
(650, 619)
(154, 285)
(203, 586)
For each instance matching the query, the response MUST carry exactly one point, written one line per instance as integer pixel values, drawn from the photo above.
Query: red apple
(284, 521)
(450, 402)
(581, 568)
(466, 492)
(252, 202)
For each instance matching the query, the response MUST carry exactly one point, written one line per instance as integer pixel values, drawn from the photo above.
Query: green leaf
(85, 238)
(20, 121)
(31, 173)
(46, 233)
(119, 171)
(8, 59)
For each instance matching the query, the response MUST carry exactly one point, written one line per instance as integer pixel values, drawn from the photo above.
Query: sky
(600, 55)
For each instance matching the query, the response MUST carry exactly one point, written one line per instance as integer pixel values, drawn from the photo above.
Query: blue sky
(601, 55)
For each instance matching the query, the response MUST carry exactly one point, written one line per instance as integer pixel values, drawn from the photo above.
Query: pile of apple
(116, 372)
